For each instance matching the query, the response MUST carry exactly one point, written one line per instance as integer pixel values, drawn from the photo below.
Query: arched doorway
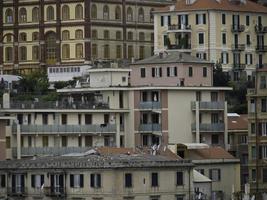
(50, 50)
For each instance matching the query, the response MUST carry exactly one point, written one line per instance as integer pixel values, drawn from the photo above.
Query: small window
(154, 180)
(252, 125)
(118, 35)
(224, 38)
(156, 72)
(190, 71)
(205, 72)
(253, 175)
(247, 20)
(2, 180)
(95, 180)
(106, 34)
(123, 79)
(201, 38)
(143, 72)
(128, 180)
(179, 178)
(76, 180)
(215, 175)
(223, 19)
(37, 181)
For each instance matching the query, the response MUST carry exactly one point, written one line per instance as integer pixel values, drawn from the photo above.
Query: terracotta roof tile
(224, 5)
(238, 123)
(213, 153)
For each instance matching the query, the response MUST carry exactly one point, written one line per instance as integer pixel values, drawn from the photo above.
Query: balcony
(251, 92)
(239, 66)
(212, 127)
(179, 28)
(259, 29)
(150, 105)
(18, 191)
(54, 191)
(261, 48)
(213, 105)
(238, 47)
(260, 66)
(58, 105)
(236, 28)
(150, 127)
(179, 47)
(55, 151)
(66, 129)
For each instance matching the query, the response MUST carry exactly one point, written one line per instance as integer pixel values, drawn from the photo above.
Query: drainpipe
(189, 184)
(18, 140)
(225, 126)
(117, 119)
(197, 123)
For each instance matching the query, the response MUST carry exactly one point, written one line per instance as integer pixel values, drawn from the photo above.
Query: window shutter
(169, 20)
(3, 181)
(52, 180)
(260, 129)
(13, 183)
(251, 62)
(219, 174)
(204, 18)
(42, 180)
(196, 18)
(92, 180)
(22, 181)
(260, 152)
(246, 59)
(160, 72)
(81, 180)
(71, 180)
(162, 20)
(33, 181)
(98, 180)
(186, 19)
(227, 58)
(205, 56)
(179, 20)
(210, 174)
(61, 182)
(153, 72)
(168, 71)
(175, 71)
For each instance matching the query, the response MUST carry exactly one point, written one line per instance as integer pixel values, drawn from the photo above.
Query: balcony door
(57, 183)
(236, 21)
(18, 183)
(183, 21)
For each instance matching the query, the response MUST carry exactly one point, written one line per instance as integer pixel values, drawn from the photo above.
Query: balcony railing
(54, 191)
(259, 66)
(213, 105)
(238, 47)
(251, 91)
(239, 66)
(56, 129)
(261, 48)
(150, 127)
(150, 105)
(179, 46)
(58, 105)
(56, 151)
(260, 29)
(213, 127)
(17, 191)
(179, 27)
(238, 28)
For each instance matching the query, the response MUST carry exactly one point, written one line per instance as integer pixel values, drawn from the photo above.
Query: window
(190, 71)
(151, 15)
(51, 47)
(253, 175)
(156, 72)
(64, 119)
(18, 183)
(205, 72)
(29, 141)
(23, 53)
(65, 35)
(35, 36)
(94, 50)
(262, 82)
(214, 96)
(22, 15)
(35, 14)
(37, 181)
(130, 52)
(94, 34)
(224, 58)
(78, 34)
(201, 38)
(129, 14)
(8, 54)
(50, 14)
(252, 127)
(154, 180)
(65, 12)
(106, 51)
(35, 53)
(141, 36)
(79, 50)
(45, 141)
(143, 72)
(94, 11)
(2, 180)
(128, 180)
(264, 175)
(141, 15)
(215, 174)
(263, 152)
(253, 152)
(106, 12)
(248, 59)
(64, 141)
(9, 37)
(224, 38)
(200, 18)
(244, 139)
(201, 55)
(248, 40)
(214, 139)
(247, 20)
(117, 13)
(179, 178)
(179, 197)
(118, 35)
(223, 19)
(95, 180)
(118, 51)
(76, 180)
(141, 52)
(8, 142)
(88, 119)
(9, 16)
(130, 35)
(65, 51)
(79, 11)
(23, 37)
(88, 141)
(171, 71)
(201, 171)
(106, 34)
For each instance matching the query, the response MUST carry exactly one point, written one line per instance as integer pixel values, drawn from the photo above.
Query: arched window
(35, 14)
(50, 14)
(79, 11)
(105, 12)
(141, 15)
(118, 35)
(22, 15)
(23, 53)
(130, 35)
(79, 50)
(106, 34)
(94, 50)
(65, 12)
(141, 36)
(35, 53)
(94, 11)
(65, 51)
(35, 36)
(65, 35)
(94, 34)
(78, 34)
(129, 14)
(51, 46)
(9, 16)
(23, 37)
(118, 13)
(106, 51)
(8, 37)
(151, 15)
(9, 54)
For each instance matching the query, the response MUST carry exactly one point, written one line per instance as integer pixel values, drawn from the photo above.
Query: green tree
(220, 78)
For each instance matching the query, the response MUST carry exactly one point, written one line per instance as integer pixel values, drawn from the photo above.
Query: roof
(194, 145)
(213, 153)
(238, 122)
(199, 178)
(223, 5)
(171, 57)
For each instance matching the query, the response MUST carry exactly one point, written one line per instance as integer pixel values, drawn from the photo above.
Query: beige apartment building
(36, 34)
(231, 32)
(101, 174)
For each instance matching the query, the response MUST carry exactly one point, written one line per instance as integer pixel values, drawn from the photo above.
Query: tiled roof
(238, 122)
(223, 5)
(213, 153)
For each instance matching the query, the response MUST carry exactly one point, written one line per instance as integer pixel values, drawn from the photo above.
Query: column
(197, 123)
(225, 126)
(124, 17)
(58, 32)
(1, 38)
(118, 130)
(87, 32)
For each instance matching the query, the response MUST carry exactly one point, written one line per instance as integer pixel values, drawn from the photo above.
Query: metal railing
(150, 105)
(179, 27)
(261, 48)
(213, 105)
(238, 47)
(179, 46)
(239, 66)
(212, 127)
(57, 129)
(238, 28)
(17, 191)
(150, 127)
(54, 191)
(260, 29)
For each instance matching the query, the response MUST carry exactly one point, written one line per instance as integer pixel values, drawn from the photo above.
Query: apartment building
(121, 174)
(257, 144)
(40, 34)
(231, 32)
(238, 143)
